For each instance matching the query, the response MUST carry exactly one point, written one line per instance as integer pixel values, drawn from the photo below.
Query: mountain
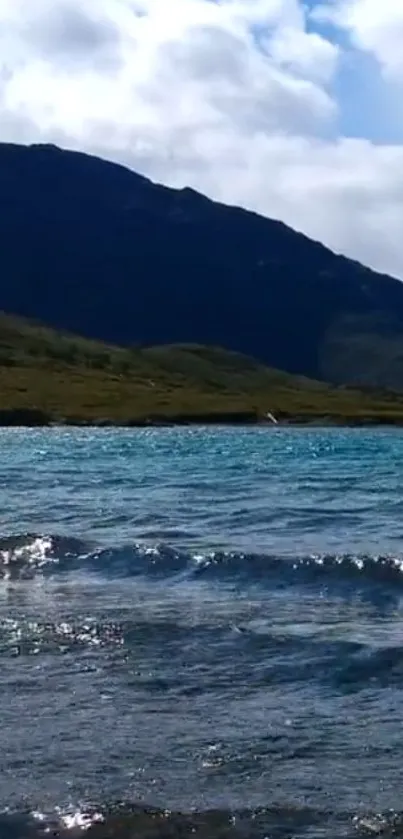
(47, 375)
(93, 248)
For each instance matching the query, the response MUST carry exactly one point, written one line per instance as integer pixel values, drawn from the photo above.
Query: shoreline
(35, 418)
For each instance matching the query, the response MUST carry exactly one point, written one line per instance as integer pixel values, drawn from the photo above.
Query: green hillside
(71, 379)
(96, 249)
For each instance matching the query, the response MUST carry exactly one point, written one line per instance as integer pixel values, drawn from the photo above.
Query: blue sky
(367, 101)
(289, 109)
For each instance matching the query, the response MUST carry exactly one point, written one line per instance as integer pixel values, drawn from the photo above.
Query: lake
(201, 632)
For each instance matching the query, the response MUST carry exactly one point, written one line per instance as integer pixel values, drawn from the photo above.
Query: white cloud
(375, 26)
(307, 55)
(233, 98)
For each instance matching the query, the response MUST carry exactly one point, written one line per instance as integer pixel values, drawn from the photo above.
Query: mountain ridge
(92, 247)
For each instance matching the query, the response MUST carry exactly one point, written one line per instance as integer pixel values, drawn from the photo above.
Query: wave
(25, 556)
(124, 821)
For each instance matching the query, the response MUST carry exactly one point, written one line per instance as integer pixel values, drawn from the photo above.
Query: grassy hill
(91, 247)
(46, 375)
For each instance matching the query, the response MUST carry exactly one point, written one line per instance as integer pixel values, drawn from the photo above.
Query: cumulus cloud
(233, 97)
(375, 26)
(66, 34)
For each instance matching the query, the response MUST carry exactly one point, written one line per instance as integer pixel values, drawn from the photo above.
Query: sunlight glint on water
(201, 632)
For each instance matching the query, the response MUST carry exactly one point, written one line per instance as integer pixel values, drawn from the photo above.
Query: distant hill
(46, 375)
(91, 247)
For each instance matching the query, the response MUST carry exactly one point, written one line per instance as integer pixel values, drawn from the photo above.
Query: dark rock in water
(92, 247)
(139, 822)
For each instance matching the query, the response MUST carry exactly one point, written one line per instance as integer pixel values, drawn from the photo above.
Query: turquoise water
(209, 622)
(250, 489)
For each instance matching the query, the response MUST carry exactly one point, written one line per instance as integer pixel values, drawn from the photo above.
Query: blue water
(208, 623)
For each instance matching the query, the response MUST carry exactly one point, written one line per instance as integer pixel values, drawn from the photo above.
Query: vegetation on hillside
(103, 252)
(47, 375)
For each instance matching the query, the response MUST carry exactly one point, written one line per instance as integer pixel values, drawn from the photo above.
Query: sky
(291, 108)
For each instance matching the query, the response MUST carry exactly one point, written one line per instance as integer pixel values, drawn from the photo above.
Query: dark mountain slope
(94, 248)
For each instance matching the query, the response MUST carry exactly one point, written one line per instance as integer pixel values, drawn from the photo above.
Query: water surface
(201, 632)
